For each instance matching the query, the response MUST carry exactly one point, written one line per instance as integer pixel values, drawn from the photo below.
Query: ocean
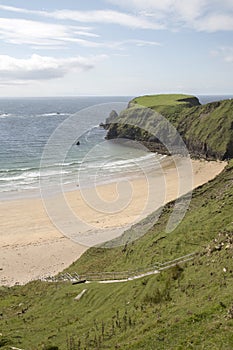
(26, 126)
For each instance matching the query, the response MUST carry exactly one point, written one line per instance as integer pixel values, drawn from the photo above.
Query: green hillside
(207, 130)
(186, 307)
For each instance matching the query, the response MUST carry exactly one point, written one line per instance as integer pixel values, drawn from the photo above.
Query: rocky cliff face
(207, 130)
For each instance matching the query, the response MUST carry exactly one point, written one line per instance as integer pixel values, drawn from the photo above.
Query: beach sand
(35, 245)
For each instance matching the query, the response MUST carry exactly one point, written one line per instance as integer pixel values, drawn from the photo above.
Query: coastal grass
(207, 130)
(211, 123)
(152, 101)
(172, 310)
(189, 306)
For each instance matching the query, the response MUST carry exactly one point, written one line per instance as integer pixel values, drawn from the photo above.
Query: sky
(115, 47)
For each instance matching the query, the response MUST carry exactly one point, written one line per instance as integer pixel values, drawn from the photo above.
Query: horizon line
(161, 93)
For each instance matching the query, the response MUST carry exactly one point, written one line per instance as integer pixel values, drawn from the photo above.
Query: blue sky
(115, 47)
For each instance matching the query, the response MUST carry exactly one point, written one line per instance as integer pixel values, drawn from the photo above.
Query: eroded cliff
(206, 130)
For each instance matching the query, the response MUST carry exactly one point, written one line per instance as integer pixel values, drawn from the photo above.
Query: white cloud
(143, 42)
(166, 4)
(41, 35)
(214, 23)
(201, 15)
(39, 67)
(226, 53)
(159, 5)
(22, 31)
(107, 16)
(94, 16)
(15, 9)
(134, 42)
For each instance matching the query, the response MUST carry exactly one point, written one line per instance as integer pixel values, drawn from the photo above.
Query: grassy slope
(178, 309)
(208, 127)
(211, 123)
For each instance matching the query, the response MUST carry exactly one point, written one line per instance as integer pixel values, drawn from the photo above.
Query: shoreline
(32, 247)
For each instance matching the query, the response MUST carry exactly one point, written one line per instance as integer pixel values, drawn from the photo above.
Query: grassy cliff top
(152, 101)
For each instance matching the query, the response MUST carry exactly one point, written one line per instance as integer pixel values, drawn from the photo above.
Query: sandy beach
(34, 244)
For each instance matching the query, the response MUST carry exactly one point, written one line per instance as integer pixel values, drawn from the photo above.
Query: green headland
(207, 130)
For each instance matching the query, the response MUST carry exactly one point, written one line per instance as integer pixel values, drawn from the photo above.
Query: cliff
(207, 130)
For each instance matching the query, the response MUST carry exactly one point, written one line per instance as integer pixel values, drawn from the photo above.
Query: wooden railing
(119, 275)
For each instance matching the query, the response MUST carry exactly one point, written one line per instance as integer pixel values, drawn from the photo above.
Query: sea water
(26, 124)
